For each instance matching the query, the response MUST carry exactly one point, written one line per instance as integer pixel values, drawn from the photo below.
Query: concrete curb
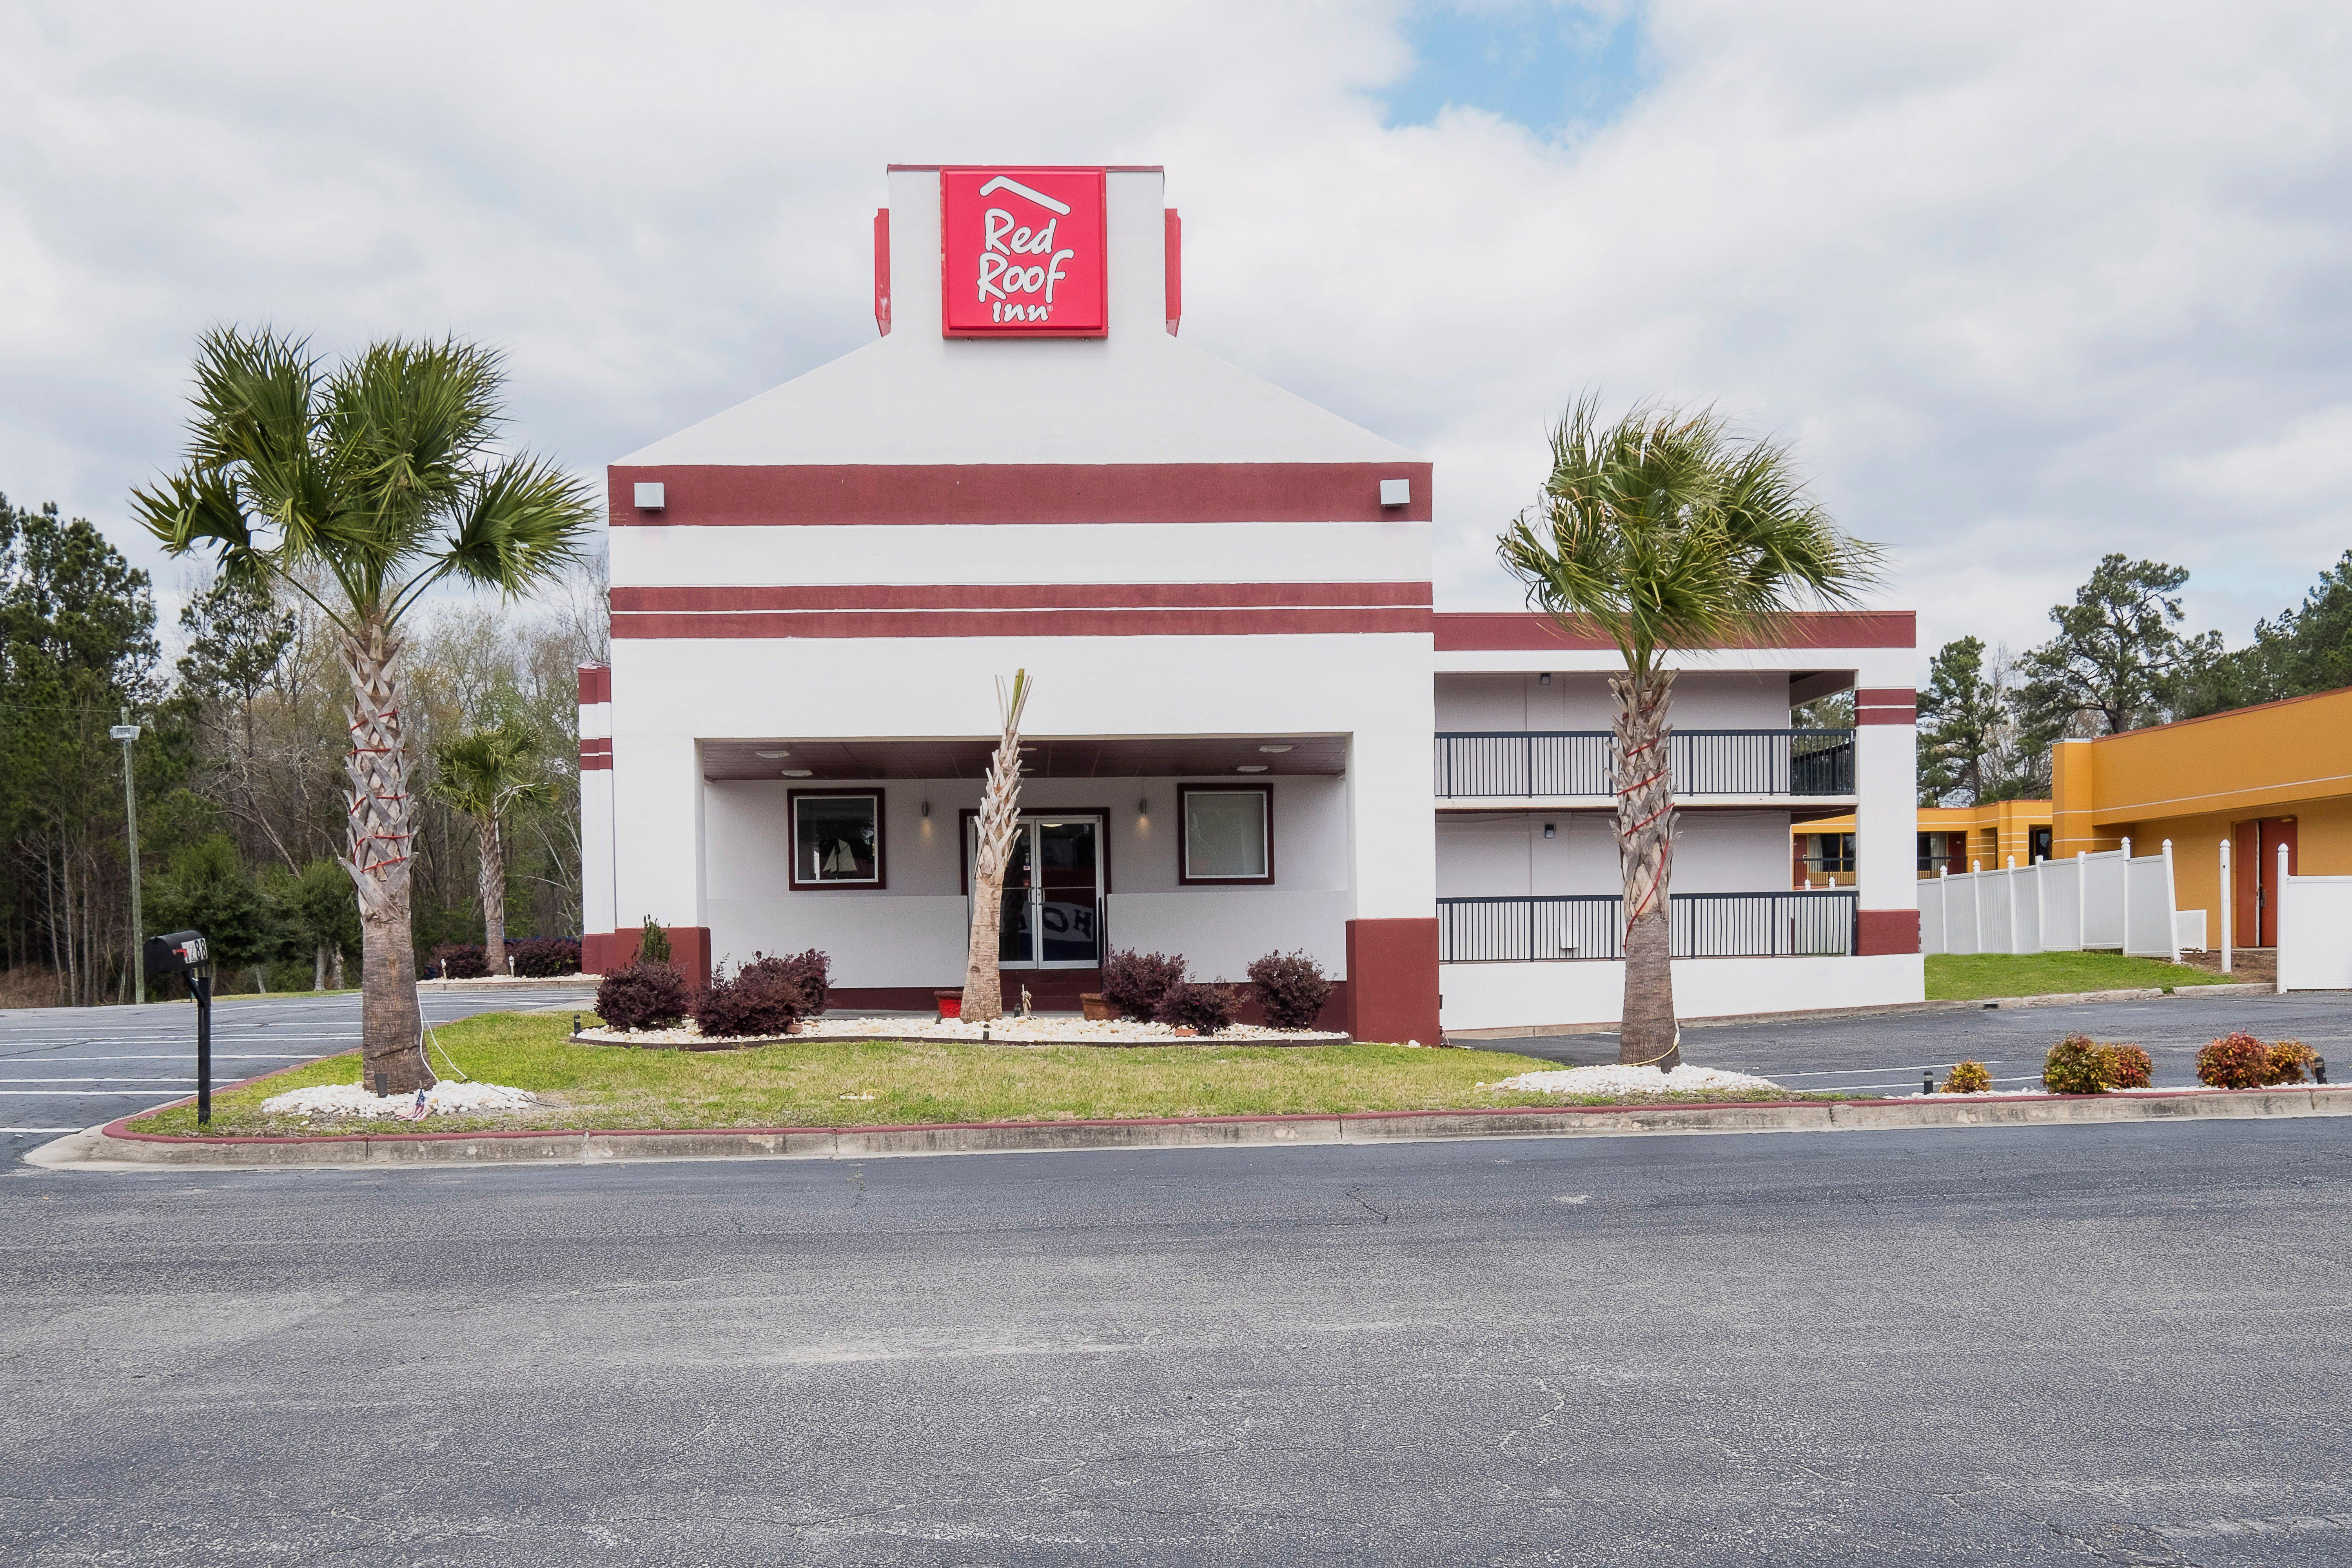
(113, 1148)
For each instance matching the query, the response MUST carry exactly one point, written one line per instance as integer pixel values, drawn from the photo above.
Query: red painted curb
(116, 1129)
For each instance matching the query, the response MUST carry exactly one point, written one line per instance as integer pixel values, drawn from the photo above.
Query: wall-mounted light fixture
(652, 497)
(927, 808)
(1545, 678)
(1143, 806)
(1551, 830)
(1396, 492)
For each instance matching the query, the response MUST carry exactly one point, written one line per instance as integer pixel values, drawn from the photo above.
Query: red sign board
(1022, 253)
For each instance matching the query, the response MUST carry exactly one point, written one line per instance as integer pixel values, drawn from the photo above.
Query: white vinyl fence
(2315, 931)
(2104, 900)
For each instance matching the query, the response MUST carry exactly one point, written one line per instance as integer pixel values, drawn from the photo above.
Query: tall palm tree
(482, 773)
(1666, 532)
(360, 489)
(993, 834)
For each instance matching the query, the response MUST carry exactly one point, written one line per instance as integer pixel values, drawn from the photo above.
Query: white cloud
(2027, 283)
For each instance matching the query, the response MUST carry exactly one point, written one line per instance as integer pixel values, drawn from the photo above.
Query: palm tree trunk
(494, 897)
(382, 839)
(1000, 817)
(1645, 852)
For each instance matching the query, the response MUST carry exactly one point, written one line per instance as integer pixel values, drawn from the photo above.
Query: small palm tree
(482, 773)
(992, 834)
(1667, 532)
(360, 491)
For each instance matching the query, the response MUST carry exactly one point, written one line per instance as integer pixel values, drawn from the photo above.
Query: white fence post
(2171, 913)
(2227, 903)
(1944, 894)
(1976, 903)
(2082, 899)
(2278, 903)
(2009, 887)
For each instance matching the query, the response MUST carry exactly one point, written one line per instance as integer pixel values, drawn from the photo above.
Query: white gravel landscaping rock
(1683, 1080)
(448, 1098)
(1002, 1031)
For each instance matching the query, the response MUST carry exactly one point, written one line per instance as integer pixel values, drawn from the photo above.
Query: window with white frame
(836, 838)
(1225, 833)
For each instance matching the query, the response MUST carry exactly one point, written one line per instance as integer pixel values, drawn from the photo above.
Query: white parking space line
(119, 1077)
(40, 1129)
(91, 1093)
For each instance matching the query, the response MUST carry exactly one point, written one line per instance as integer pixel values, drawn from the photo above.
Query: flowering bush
(2124, 1066)
(456, 961)
(2290, 1062)
(1968, 1078)
(1135, 983)
(2234, 1061)
(2074, 1065)
(642, 996)
(1291, 988)
(1203, 1009)
(541, 957)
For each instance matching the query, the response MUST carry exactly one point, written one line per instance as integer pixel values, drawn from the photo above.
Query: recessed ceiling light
(1251, 768)
(1275, 749)
(785, 753)
(798, 772)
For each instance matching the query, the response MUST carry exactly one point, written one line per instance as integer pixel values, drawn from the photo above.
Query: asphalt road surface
(2090, 1344)
(1886, 1054)
(65, 1068)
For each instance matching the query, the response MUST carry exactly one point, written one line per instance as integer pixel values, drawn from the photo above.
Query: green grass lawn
(885, 1082)
(1968, 976)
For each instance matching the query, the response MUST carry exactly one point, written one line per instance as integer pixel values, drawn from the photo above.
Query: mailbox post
(183, 953)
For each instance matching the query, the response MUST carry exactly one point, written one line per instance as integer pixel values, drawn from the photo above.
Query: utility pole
(127, 732)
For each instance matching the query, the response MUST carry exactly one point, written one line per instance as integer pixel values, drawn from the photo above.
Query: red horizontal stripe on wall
(1017, 596)
(818, 494)
(1511, 631)
(596, 684)
(1885, 705)
(1085, 623)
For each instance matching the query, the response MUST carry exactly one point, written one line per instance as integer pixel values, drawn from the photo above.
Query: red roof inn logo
(1022, 251)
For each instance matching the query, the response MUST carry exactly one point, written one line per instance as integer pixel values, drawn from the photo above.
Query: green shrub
(2234, 1061)
(2126, 1065)
(1968, 1078)
(2291, 1062)
(653, 942)
(2074, 1065)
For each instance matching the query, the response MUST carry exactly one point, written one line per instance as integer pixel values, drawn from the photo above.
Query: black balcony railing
(1538, 763)
(1590, 925)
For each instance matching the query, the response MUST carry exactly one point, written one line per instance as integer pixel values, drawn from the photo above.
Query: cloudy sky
(2026, 283)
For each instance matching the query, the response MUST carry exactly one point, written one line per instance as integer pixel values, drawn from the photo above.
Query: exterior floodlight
(649, 497)
(1393, 492)
(1551, 830)
(124, 732)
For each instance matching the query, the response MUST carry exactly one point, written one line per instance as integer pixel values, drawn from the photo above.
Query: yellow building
(2277, 774)
(1951, 838)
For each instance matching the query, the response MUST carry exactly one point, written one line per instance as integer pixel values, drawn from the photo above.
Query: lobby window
(837, 839)
(1224, 833)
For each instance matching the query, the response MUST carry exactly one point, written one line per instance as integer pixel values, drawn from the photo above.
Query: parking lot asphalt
(65, 1068)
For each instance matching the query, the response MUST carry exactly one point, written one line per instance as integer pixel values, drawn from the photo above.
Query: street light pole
(127, 732)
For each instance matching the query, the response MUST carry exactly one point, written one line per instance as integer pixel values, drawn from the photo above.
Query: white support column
(1887, 818)
(2171, 910)
(2229, 906)
(2278, 921)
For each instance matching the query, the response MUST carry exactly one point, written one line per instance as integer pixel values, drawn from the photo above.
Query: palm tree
(360, 491)
(993, 834)
(1667, 532)
(482, 773)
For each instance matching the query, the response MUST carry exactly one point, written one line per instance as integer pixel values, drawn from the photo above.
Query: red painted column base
(1879, 932)
(1393, 980)
(601, 953)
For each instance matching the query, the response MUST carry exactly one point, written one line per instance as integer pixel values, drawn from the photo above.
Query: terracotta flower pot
(1098, 1010)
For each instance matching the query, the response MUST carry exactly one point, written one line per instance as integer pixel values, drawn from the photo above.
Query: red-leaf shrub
(808, 975)
(1203, 1009)
(542, 957)
(1968, 1078)
(1291, 989)
(2234, 1061)
(765, 996)
(2074, 1065)
(456, 961)
(1135, 983)
(2124, 1066)
(642, 996)
(2291, 1062)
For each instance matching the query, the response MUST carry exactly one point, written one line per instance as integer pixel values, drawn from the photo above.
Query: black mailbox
(181, 953)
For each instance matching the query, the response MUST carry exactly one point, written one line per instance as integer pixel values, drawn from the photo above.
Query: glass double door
(1051, 915)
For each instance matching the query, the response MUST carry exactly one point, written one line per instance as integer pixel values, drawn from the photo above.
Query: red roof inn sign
(1020, 252)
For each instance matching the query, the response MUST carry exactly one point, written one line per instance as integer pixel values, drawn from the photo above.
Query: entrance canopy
(1051, 757)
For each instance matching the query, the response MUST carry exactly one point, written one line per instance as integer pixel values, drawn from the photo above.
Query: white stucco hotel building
(1252, 729)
